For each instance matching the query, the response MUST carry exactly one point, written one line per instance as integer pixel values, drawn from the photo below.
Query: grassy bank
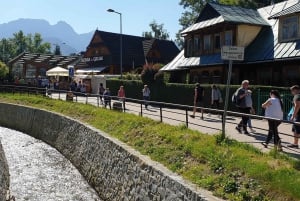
(231, 170)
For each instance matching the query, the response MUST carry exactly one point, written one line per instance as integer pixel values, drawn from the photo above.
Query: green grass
(229, 169)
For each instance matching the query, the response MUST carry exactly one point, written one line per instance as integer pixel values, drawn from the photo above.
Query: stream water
(39, 172)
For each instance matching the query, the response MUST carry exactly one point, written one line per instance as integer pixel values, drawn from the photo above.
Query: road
(211, 124)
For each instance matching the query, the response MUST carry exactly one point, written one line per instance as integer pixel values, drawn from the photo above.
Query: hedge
(183, 93)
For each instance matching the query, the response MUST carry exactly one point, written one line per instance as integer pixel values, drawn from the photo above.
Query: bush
(183, 93)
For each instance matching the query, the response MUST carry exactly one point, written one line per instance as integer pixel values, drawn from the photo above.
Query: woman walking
(273, 109)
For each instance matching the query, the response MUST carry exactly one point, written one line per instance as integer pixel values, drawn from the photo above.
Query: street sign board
(233, 53)
(71, 71)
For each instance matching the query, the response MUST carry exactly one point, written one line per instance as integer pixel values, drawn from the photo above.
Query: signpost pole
(226, 99)
(230, 53)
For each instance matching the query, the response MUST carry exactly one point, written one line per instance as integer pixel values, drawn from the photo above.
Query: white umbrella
(57, 71)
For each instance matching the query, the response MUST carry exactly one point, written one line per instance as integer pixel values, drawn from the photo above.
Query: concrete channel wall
(4, 175)
(116, 171)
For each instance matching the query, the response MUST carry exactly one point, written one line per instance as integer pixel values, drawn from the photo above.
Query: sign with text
(88, 59)
(233, 53)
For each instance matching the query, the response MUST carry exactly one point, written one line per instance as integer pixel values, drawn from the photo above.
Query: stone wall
(4, 175)
(116, 171)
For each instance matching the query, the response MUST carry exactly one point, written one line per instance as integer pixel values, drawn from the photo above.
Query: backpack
(235, 100)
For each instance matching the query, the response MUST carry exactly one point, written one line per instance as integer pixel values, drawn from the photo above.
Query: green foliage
(57, 50)
(232, 170)
(157, 31)
(149, 72)
(3, 70)
(12, 47)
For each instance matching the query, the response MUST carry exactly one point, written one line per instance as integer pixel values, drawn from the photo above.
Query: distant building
(28, 66)
(270, 35)
(103, 53)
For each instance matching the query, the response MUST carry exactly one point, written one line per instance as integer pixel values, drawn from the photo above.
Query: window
(197, 45)
(289, 28)
(189, 47)
(217, 41)
(207, 43)
(17, 70)
(228, 38)
(30, 71)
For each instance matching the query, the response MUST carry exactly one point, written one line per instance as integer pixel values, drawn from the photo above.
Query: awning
(90, 70)
(57, 71)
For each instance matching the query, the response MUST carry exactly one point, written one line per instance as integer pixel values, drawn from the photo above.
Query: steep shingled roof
(135, 47)
(288, 11)
(214, 14)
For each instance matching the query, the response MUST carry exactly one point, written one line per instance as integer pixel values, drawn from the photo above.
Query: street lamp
(121, 40)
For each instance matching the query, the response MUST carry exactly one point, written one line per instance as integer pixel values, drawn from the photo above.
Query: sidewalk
(209, 125)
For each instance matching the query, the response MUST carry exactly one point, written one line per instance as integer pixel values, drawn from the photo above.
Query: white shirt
(274, 110)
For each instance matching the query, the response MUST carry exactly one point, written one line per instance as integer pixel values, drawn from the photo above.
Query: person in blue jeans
(107, 98)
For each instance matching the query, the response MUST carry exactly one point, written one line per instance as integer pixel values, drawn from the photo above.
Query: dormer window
(289, 28)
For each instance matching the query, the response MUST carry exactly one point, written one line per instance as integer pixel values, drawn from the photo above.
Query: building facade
(103, 52)
(270, 35)
(29, 67)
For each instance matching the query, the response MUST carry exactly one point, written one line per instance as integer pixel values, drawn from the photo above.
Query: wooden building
(270, 35)
(29, 67)
(103, 52)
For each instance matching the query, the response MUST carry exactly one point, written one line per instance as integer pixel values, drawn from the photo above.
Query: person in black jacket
(198, 100)
(244, 105)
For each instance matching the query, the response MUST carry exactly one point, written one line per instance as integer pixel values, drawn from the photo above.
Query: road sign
(233, 53)
(71, 71)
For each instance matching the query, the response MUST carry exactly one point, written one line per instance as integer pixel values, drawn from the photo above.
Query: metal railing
(160, 111)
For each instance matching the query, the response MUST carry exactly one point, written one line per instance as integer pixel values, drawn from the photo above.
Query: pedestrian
(146, 95)
(273, 109)
(295, 90)
(216, 97)
(121, 93)
(121, 96)
(107, 98)
(244, 104)
(101, 91)
(198, 100)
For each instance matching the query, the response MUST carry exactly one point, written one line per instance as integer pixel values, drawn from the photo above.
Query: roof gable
(288, 11)
(207, 13)
(214, 14)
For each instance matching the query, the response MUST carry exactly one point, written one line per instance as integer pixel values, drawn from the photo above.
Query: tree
(19, 43)
(157, 31)
(3, 70)
(57, 50)
(194, 7)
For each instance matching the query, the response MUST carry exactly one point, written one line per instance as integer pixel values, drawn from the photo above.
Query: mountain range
(61, 33)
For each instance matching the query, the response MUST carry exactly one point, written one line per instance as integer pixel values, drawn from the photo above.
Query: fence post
(187, 117)
(58, 94)
(141, 109)
(98, 100)
(258, 102)
(124, 105)
(160, 110)
(86, 99)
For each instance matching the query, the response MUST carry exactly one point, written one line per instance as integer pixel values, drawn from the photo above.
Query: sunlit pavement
(211, 124)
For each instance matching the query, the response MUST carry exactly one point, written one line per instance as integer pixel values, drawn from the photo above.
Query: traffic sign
(233, 53)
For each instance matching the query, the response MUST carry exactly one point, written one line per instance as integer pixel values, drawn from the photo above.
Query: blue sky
(86, 16)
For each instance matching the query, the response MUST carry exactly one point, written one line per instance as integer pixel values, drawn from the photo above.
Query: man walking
(295, 90)
(244, 104)
(198, 100)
